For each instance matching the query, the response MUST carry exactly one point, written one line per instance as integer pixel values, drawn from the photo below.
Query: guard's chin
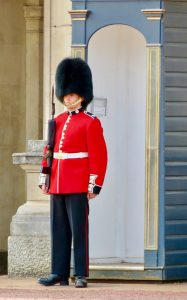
(70, 105)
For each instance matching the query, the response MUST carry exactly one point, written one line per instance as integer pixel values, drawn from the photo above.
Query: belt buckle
(59, 155)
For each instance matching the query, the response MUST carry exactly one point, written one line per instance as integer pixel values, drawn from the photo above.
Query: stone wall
(23, 111)
(12, 111)
(57, 45)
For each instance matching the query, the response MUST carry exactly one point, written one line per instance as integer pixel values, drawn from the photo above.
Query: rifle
(50, 141)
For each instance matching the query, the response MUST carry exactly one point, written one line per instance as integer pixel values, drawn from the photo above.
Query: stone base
(29, 256)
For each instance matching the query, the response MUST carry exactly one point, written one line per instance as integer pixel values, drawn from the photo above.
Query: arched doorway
(117, 56)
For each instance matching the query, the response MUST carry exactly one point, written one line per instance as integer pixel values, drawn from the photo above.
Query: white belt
(63, 155)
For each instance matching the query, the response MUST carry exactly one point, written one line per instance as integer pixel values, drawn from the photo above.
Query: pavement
(29, 289)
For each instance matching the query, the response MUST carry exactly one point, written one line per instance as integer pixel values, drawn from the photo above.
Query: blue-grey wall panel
(176, 124)
(176, 35)
(176, 242)
(176, 169)
(177, 7)
(176, 227)
(176, 139)
(178, 212)
(78, 32)
(175, 273)
(176, 79)
(177, 183)
(175, 64)
(176, 197)
(176, 109)
(176, 154)
(151, 258)
(176, 258)
(176, 94)
(176, 20)
(128, 13)
(104, 13)
(78, 4)
(176, 50)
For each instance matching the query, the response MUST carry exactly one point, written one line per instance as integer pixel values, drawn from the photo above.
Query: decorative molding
(153, 14)
(152, 147)
(153, 45)
(79, 15)
(79, 51)
(33, 15)
(34, 18)
(79, 45)
(33, 12)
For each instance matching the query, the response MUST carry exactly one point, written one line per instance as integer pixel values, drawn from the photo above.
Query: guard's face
(72, 101)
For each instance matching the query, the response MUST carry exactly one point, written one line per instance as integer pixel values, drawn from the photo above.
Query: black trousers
(69, 221)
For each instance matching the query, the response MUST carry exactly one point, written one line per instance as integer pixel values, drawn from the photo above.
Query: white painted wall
(117, 56)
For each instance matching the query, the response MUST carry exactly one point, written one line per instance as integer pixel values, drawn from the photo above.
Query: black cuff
(96, 189)
(45, 170)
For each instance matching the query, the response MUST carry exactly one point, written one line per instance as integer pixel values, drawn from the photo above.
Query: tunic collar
(75, 112)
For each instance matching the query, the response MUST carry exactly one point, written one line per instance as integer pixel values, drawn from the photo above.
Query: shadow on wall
(3, 263)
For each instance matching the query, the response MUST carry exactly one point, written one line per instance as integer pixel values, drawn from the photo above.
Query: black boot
(54, 279)
(80, 282)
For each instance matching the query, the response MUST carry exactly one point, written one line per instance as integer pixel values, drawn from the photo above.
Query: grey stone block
(36, 145)
(33, 156)
(29, 256)
(30, 225)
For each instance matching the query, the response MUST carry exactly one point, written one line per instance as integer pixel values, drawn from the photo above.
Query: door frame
(82, 30)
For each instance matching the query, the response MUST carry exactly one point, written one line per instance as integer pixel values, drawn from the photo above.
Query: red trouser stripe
(87, 245)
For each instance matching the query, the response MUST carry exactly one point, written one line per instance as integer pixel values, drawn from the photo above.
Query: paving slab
(29, 289)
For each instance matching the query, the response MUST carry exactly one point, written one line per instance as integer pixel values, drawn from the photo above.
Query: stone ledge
(30, 226)
(33, 158)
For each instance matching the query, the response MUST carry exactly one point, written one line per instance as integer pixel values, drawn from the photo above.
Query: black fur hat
(73, 75)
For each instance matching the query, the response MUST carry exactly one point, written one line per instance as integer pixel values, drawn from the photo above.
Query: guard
(77, 173)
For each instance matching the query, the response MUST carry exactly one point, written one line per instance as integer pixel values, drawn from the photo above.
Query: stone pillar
(57, 45)
(33, 13)
(29, 240)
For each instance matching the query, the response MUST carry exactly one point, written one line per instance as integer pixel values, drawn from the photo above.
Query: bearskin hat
(73, 75)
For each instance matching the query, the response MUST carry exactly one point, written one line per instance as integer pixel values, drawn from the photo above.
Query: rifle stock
(50, 140)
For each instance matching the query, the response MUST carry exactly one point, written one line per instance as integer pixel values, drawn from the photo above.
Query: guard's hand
(45, 189)
(91, 196)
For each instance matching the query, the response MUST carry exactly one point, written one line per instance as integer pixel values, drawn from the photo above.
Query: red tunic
(78, 132)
